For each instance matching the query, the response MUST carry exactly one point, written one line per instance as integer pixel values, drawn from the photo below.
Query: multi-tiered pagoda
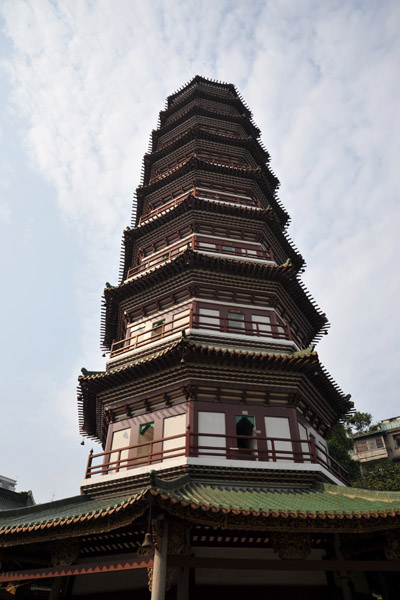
(211, 368)
(213, 410)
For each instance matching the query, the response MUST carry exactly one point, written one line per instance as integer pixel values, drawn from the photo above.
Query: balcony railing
(366, 455)
(238, 252)
(256, 448)
(215, 159)
(163, 329)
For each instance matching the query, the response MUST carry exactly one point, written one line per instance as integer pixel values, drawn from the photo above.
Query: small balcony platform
(215, 450)
(209, 325)
(242, 253)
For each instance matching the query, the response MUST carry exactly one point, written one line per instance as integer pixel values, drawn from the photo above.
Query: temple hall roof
(321, 505)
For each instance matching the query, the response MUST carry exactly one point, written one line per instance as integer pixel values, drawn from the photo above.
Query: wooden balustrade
(233, 447)
(198, 244)
(202, 322)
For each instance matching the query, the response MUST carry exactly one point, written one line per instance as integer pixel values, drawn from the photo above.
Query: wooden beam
(215, 562)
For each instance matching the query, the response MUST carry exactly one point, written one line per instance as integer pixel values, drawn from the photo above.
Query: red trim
(85, 569)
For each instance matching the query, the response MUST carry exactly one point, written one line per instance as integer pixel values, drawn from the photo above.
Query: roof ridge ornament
(171, 484)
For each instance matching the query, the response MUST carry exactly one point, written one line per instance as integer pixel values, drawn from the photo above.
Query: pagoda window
(322, 451)
(209, 317)
(120, 439)
(175, 428)
(304, 442)
(213, 424)
(229, 249)
(245, 425)
(133, 333)
(250, 252)
(145, 437)
(157, 329)
(236, 321)
(262, 324)
(268, 323)
(180, 320)
(279, 444)
(206, 246)
(248, 321)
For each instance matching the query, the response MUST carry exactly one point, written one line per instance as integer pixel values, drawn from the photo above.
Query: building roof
(306, 363)
(320, 500)
(322, 503)
(195, 133)
(286, 275)
(194, 165)
(198, 80)
(380, 428)
(9, 499)
(199, 110)
(62, 512)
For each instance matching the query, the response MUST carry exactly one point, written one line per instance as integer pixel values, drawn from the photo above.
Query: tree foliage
(339, 445)
(382, 476)
(358, 422)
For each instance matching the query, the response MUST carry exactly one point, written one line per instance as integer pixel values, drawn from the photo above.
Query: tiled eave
(194, 202)
(322, 507)
(196, 132)
(219, 208)
(78, 515)
(197, 79)
(208, 94)
(286, 275)
(194, 110)
(194, 164)
(307, 364)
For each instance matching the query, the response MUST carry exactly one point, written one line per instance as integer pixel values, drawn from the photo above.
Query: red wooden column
(160, 566)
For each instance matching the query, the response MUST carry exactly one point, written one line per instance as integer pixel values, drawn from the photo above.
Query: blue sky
(81, 86)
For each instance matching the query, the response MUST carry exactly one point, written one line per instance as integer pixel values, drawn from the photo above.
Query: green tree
(358, 422)
(382, 476)
(339, 445)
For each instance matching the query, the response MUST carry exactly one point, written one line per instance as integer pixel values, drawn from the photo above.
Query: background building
(383, 443)
(9, 498)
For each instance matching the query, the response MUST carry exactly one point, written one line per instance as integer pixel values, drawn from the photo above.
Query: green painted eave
(321, 498)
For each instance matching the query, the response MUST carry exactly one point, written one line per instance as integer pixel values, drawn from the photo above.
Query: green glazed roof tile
(318, 499)
(68, 508)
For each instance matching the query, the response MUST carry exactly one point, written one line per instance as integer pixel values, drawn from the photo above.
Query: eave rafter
(196, 132)
(205, 94)
(92, 385)
(265, 217)
(245, 507)
(195, 166)
(190, 259)
(202, 111)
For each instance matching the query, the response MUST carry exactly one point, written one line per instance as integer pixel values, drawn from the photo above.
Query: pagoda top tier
(211, 86)
(206, 141)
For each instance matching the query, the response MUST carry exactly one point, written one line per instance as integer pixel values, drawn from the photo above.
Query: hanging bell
(148, 541)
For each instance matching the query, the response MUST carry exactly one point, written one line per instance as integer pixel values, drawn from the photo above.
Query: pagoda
(210, 333)
(213, 410)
